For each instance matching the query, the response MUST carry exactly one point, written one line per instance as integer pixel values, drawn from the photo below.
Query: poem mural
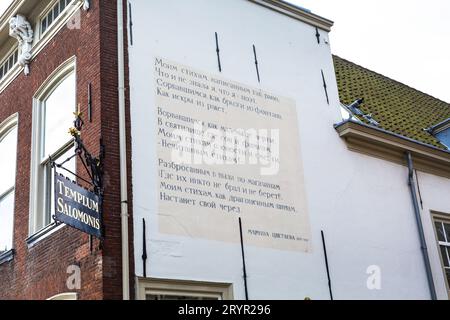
(226, 150)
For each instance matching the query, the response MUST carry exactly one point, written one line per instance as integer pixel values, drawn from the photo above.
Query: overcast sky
(407, 40)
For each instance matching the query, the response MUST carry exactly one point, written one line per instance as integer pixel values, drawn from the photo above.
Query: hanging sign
(77, 207)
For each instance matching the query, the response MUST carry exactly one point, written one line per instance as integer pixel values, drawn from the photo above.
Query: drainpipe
(423, 244)
(123, 153)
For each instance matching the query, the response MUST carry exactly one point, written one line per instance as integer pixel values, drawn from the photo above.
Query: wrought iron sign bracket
(92, 164)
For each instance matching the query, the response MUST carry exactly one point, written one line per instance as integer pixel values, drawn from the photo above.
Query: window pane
(444, 137)
(8, 150)
(447, 231)
(50, 17)
(447, 272)
(56, 11)
(70, 165)
(6, 218)
(445, 257)
(59, 108)
(53, 14)
(62, 4)
(44, 25)
(440, 231)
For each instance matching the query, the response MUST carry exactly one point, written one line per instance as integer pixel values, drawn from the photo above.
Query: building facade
(73, 62)
(238, 157)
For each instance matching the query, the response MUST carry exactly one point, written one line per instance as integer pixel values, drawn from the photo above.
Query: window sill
(7, 256)
(43, 233)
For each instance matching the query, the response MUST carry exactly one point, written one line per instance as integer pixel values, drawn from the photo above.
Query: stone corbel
(20, 29)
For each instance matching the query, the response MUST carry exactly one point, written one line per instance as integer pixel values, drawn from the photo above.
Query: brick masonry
(40, 272)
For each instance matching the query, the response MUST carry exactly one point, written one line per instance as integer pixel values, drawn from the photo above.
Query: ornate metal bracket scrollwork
(93, 165)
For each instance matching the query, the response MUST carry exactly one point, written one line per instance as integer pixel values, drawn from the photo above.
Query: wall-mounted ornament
(86, 5)
(20, 29)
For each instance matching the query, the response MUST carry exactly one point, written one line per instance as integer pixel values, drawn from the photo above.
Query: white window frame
(12, 72)
(440, 218)
(6, 127)
(65, 296)
(150, 286)
(38, 217)
(56, 23)
(13, 50)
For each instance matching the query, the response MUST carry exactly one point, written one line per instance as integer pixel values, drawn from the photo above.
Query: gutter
(123, 153)
(423, 244)
(398, 151)
(362, 124)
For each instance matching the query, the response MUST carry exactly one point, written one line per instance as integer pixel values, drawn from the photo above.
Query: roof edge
(386, 145)
(296, 12)
(389, 78)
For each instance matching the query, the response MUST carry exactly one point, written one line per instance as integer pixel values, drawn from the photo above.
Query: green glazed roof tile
(397, 107)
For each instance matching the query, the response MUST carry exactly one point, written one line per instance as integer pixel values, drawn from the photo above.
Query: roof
(397, 107)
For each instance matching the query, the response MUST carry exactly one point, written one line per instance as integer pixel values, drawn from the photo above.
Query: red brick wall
(39, 272)
(110, 118)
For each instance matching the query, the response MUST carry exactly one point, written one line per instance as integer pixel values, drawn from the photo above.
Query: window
(52, 15)
(161, 289)
(54, 105)
(444, 137)
(8, 151)
(443, 237)
(8, 63)
(441, 131)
